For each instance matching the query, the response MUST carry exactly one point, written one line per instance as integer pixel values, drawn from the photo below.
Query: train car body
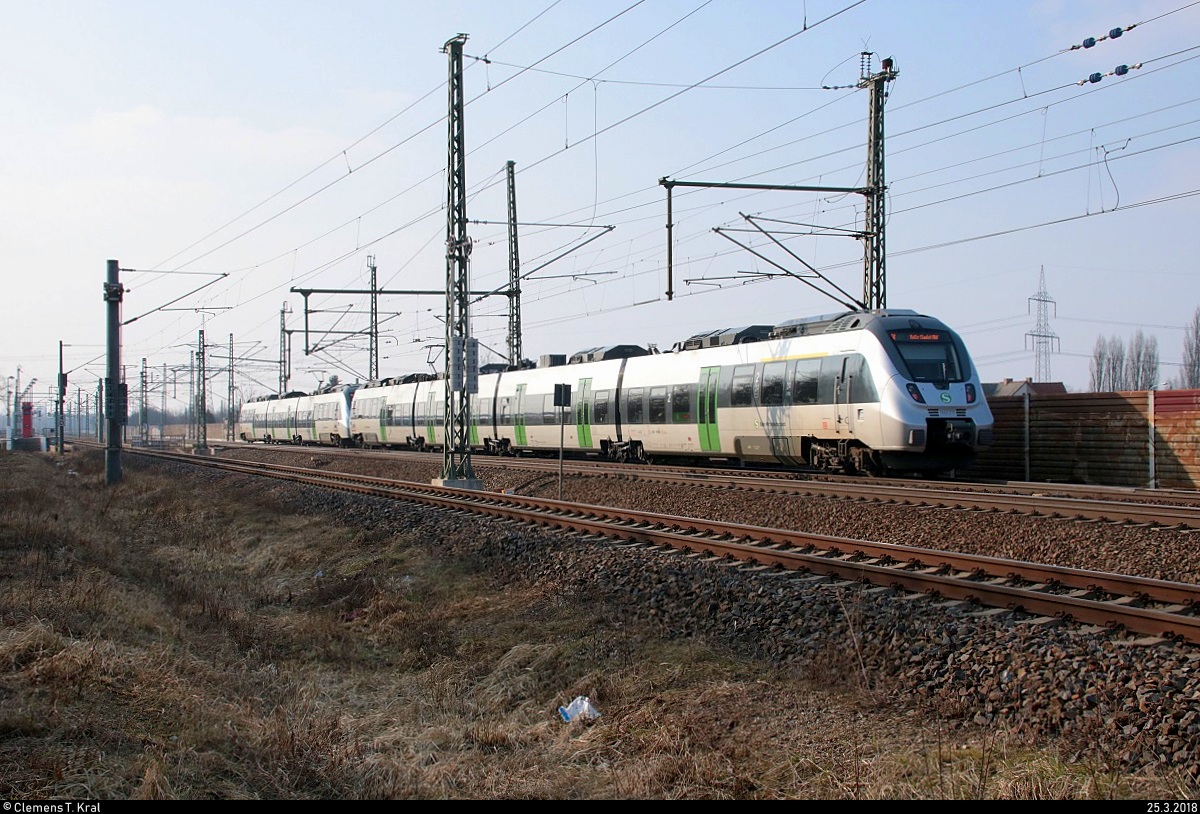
(251, 421)
(299, 418)
(879, 392)
(394, 413)
(326, 416)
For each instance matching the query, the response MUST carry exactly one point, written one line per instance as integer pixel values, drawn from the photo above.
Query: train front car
(933, 414)
(252, 420)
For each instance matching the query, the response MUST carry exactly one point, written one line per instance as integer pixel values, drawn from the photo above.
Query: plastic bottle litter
(579, 709)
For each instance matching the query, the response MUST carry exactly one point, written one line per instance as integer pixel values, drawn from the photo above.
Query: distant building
(1008, 387)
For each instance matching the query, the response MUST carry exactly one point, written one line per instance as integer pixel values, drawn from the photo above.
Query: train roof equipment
(726, 336)
(602, 354)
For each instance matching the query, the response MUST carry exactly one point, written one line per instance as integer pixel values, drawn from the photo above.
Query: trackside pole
(562, 400)
(112, 402)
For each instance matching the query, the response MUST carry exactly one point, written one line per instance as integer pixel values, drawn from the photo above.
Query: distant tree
(1114, 367)
(1141, 363)
(1189, 376)
(1099, 366)
(1109, 371)
(1116, 364)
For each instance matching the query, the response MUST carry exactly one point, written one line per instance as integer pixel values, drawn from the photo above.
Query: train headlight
(915, 392)
(970, 393)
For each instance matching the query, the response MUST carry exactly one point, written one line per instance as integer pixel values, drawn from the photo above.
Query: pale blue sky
(282, 143)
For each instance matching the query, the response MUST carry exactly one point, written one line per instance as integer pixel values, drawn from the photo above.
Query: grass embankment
(182, 638)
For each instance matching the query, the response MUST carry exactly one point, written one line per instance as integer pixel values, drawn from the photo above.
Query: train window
(831, 386)
(534, 411)
(804, 385)
(931, 356)
(505, 412)
(681, 404)
(600, 407)
(771, 392)
(742, 389)
(658, 405)
(862, 386)
(633, 406)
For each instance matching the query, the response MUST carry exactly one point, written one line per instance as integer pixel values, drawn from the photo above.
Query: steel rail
(978, 497)
(977, 579)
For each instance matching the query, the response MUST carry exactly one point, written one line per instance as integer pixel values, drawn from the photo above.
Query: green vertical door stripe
(430, 422)
(706, 409)
(519, 417)
(383, 431)
(583, 414)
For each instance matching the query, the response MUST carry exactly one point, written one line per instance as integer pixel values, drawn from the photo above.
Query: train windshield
(931, 355)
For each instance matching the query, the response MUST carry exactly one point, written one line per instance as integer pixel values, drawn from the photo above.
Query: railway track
(1155, 608)
(1168, 509)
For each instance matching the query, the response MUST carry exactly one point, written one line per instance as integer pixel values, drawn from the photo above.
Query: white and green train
(878, 392)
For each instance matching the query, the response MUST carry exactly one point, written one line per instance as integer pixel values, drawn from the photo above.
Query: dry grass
(170, 640)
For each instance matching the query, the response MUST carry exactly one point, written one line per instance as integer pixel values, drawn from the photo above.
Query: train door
(841, 397)
(433, 411)
(519, 418)
(706, 409)
(848, 373)
(474, 410)
(836, 365)
(583, 413)
(386, 417)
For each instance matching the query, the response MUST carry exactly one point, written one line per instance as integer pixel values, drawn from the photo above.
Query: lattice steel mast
(874, 256)
(201, 394)
(144, 412)
(373, 362)
(231, 413)
(514, 272)
(285, 349)
(456, 463)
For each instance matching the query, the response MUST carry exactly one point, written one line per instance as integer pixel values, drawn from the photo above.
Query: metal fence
(1135, 439)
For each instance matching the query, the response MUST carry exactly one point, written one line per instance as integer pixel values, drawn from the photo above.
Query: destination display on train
(916, 336)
